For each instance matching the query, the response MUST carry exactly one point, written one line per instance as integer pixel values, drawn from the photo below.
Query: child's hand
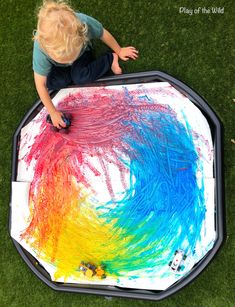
(57, 120)
(127, 53)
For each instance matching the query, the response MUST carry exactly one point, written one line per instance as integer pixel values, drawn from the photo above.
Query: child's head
(59, 31)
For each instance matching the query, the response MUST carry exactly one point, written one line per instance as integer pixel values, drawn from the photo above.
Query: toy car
(179, 257)
(90, 270)
(67, 120)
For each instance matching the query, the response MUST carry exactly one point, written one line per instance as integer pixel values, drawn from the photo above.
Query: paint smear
(117, 139)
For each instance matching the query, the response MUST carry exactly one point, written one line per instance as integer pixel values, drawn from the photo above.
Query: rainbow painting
(129, 185)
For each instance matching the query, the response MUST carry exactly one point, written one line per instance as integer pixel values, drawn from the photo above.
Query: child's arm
(40, 82)
(123, 53)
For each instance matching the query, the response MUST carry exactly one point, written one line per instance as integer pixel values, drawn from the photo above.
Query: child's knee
(82, 76)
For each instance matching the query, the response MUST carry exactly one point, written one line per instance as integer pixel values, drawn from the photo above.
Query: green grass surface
(198, 50)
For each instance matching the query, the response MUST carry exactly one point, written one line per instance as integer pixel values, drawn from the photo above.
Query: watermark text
(201, 10)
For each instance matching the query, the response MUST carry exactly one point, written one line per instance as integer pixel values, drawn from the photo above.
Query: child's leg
(86, 70)
(59, 77)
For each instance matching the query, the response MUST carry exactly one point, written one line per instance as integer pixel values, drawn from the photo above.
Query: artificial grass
(197, 49)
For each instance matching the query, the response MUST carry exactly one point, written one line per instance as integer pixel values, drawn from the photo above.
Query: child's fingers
(129, 53)
(133, 55)
(133, 49)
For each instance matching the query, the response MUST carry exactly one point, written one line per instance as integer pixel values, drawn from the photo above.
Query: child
(62, 52)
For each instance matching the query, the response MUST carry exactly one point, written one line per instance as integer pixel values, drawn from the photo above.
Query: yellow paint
(75, 232)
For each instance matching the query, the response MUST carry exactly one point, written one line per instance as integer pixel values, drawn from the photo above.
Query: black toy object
(67, 120)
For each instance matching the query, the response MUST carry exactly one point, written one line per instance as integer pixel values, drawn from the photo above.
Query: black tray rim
(114, 291)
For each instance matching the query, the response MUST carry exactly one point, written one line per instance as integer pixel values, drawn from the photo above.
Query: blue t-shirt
(42, 63)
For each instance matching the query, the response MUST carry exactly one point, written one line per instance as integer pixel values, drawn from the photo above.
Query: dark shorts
(84, 70)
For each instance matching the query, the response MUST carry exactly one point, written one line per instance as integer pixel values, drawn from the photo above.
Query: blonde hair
(59, 31)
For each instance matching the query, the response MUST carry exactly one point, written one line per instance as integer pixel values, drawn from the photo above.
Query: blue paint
(164, 208)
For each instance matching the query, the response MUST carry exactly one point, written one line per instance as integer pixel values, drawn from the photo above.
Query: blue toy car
(67, 120)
